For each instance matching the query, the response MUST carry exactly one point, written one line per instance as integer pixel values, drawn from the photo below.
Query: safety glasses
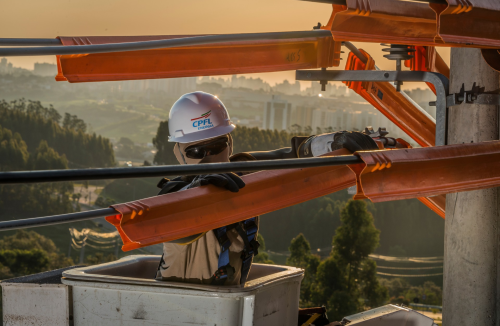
(212, 147)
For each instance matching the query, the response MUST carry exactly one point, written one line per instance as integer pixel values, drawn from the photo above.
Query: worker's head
(200, 125)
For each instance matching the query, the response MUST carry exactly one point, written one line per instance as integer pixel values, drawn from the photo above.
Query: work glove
(354, 141)
(168, 186)
(229, 181)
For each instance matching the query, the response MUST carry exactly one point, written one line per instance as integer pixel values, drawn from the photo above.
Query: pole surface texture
(471, 287)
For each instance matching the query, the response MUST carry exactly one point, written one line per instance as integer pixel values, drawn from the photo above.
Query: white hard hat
(198, 116)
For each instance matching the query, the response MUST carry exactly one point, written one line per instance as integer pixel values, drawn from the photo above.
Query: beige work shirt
(197, 262)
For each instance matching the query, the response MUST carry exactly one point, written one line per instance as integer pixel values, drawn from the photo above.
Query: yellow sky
(51, 18)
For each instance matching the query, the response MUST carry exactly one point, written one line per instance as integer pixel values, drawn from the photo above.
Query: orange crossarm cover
(392, 104)
(193, 61)
(469, 23)
(173, 216)
(426, 172)
(426, 58)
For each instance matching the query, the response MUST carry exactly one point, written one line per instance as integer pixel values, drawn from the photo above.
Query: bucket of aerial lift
(124, 292)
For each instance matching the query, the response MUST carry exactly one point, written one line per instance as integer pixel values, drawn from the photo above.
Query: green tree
(262, 257)
(28, 200)
(35, 122)
(13, 151)
(74, 123)
(165, 149)
(301, 256)
(27, 252)
(347, 280)
(46, 158)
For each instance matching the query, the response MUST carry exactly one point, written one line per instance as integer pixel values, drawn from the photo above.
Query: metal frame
(472, 98)
(439, 81)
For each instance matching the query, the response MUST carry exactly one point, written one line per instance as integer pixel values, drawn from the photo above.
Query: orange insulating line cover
(384, 21)
(469, 23)
(425, 172)
(194, 61)
(426, 58)
(173, 216)
(392, 104)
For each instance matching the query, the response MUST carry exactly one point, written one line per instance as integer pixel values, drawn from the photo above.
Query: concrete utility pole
(471, 294)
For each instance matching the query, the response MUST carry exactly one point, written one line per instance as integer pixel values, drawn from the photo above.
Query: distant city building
(331, 90)
(287, 88)
(5, 67)
(277, 114)
(173, 87)
(251, 83)
(45, 69)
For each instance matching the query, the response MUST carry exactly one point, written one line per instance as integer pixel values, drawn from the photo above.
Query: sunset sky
(51, 18)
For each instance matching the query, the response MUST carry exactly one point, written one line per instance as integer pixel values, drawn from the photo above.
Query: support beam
(471, 293)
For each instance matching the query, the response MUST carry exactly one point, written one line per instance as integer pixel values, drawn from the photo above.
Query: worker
(200, 126)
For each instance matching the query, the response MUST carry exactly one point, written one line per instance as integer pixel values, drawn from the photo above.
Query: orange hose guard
(469, 23)
(194, 61)
(409, 173)
(173, 216)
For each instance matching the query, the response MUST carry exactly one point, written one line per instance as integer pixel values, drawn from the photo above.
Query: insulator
(398, 52)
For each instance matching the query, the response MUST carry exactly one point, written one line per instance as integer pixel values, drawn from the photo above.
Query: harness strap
(224, 268)
(247, 231)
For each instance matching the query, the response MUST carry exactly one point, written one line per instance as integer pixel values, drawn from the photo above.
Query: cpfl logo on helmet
(203, 121)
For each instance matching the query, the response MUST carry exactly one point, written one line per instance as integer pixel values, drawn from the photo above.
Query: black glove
(354, 141)
(168, 186)
(230, 181)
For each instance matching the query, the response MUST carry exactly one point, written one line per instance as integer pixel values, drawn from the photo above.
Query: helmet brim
(203, 135)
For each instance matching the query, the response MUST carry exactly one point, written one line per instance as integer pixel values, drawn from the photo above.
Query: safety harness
(248, 231)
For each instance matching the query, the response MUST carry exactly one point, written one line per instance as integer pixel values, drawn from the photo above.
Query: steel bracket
(439, 81)
(474, 96)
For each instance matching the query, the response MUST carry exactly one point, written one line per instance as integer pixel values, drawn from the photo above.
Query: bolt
(386, 75)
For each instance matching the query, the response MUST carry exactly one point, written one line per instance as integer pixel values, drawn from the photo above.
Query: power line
(159, 171)
(403, 275)
(410, 268)
(150, 45)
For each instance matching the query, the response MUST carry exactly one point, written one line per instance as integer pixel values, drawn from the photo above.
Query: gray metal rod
(356, 52)
(159, 44)
(166, 170)
(56, 219)
(29, 42)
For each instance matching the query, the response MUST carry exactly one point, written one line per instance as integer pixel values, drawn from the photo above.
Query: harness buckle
(223, 273)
